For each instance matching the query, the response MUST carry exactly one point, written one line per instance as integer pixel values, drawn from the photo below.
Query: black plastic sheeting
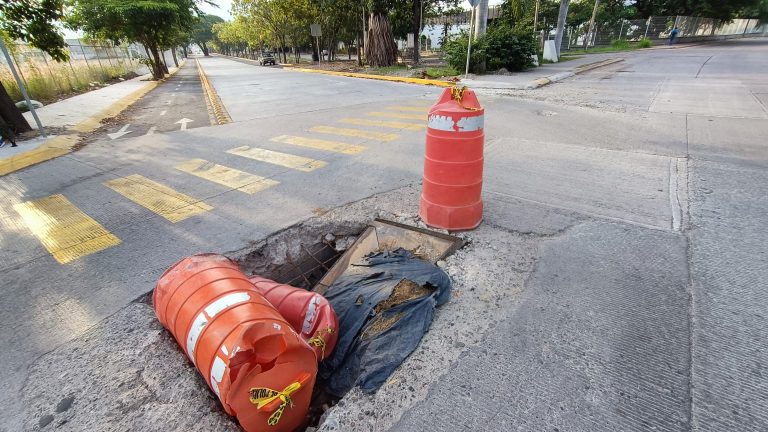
(366, 358)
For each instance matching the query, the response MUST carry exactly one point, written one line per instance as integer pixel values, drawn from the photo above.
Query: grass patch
(386, 70)
(52, 81)
(441, 71)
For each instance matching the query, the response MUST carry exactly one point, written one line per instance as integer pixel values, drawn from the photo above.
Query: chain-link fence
(89, 66)
(658, 30)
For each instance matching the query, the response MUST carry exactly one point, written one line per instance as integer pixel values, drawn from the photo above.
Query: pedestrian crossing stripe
(383, 123)
(380, 136)
(225, 176)
(398, 115)
(420, 109)
(276, 158)
(164, 201)
(319, 144)
(63, 229)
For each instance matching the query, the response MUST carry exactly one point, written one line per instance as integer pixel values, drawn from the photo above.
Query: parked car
(267, 59)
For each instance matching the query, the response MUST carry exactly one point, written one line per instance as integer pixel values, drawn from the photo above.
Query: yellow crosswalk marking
(399, 115)
(230, 177)
(64, 229)
(383, 123)
(421, 109)
(355, 133)
(160, 199)
(277, 158)
(334, 146)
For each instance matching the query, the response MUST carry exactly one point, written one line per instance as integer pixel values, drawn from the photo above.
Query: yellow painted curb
(63, 144)
(419, 81)
(216, 110)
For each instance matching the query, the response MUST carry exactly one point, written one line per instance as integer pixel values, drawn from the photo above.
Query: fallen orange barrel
(453, 162)
(309, 313)
(250, 356)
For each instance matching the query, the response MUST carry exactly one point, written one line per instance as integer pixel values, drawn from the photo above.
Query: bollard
(308, 312)
(250, 356)
(453, 162)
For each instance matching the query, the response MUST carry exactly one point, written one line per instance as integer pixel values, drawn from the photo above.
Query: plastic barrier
(250, 356)
(453, 162)
(309, 313)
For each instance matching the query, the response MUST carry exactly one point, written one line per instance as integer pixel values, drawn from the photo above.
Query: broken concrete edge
(541, 82)
(59, 145)
(406, 80)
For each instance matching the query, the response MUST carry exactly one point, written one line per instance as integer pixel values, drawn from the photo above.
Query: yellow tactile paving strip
(380, 136)
(399, 115)
(319, 144)
(230, 177)
(64, 229)
(276, 158)
(420, 109)
(160, 199)
(383, 123)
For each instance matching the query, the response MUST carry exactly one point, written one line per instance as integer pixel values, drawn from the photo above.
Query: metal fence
(658, 30)
(89, 65)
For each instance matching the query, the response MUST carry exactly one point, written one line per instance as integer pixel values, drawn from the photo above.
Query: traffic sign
(473, 3)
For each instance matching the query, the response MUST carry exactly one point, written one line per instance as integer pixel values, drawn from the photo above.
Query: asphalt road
(675, 193)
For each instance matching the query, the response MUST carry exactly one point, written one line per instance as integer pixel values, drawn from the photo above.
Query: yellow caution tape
(262, 396)
(318, 341)
(458, 94)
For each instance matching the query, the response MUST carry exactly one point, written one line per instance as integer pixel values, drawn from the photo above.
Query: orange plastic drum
(309, 313)
(258, 366)
(453, 162)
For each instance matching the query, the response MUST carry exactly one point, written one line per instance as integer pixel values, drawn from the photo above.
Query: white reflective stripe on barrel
(208, 313)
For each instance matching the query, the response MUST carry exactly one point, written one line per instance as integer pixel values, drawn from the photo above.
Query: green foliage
(503, 46)
(644, 43)
(718, 9)
(33, 21)
(619, 44)
(202, 32)
(442, 71)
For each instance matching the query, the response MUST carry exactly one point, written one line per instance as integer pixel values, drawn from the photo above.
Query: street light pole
(469, 41)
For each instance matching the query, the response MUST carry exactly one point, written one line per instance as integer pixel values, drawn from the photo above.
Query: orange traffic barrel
(453, 162)
(309, 313)
(250, 356)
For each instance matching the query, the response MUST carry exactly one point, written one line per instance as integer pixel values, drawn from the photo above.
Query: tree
(152, 23)
(33, 22)
(718, 9)
(381, 49)
(202, 32)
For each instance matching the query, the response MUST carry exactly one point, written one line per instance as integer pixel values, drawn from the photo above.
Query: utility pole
(561, 25)
(22, 88)
(592, 26)
(481, 18)
(536, 16)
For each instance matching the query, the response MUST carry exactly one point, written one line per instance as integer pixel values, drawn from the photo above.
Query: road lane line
(229, 177)
(151, 131)
(162, 113)
(383, 123)
(334, 146)
(355, 133)
(166, 202)
(276, 158)
(398, 115)
(64, 229)
(420, 109)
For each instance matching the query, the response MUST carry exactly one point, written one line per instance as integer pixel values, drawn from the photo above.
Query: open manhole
(313, 257)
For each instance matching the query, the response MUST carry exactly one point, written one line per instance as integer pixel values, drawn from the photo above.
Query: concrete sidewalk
(66, 119)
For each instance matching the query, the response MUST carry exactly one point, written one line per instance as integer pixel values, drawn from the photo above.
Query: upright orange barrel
(258, 366)
(309, 313)
(453, 162)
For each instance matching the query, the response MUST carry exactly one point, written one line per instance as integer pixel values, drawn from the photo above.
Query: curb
(541, 82)
(63, 144)
(406, 80)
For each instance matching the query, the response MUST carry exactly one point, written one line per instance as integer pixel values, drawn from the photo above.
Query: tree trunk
(359, 56)
(175, 60)
(381, 49)
(561, 25)
(204, 47)
(165, 64)
(185, 52)
(157, 68)
(12, 115)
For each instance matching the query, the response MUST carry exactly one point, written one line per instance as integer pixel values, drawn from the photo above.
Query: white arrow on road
(123, 131)
(151, 130)
(184, 122)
